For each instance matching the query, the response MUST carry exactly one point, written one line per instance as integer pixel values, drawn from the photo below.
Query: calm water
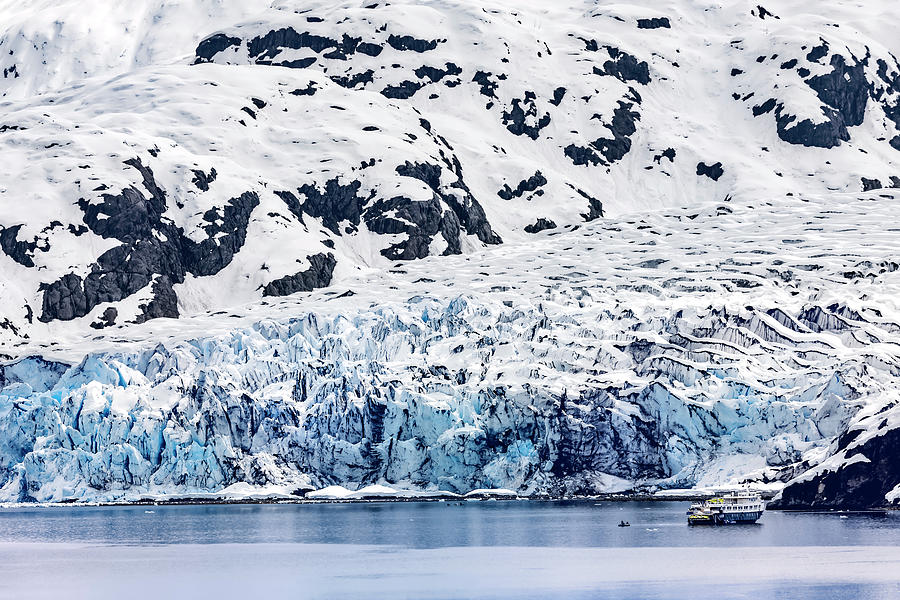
(442, 550)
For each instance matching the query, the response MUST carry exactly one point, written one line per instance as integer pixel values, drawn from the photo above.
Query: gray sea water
(500, 549)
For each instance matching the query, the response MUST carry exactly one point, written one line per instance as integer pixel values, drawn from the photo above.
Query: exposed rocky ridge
(864, 479)
(860, 470)
(153, 251)
(318, 275)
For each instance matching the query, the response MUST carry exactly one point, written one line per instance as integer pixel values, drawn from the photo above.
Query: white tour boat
(734, 507)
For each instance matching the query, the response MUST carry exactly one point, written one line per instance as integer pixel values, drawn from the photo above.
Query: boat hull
(744, 517)
(724, 518)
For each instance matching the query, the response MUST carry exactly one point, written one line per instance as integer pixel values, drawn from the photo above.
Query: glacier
(724, 344)
(328, 249)
(162, 159)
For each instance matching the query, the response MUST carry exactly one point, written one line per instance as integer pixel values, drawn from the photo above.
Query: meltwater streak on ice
(442, 550)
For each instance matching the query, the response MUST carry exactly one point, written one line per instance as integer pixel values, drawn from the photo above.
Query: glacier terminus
(342, 250)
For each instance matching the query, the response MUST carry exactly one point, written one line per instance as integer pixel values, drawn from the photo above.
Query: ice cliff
(728, 343)
(548, 246)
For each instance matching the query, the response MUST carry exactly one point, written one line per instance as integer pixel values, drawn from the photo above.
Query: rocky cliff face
(860, 470)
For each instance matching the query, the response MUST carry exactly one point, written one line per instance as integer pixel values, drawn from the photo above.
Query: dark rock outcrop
(869, 471)
(581, 155)
(321, 268)
(468, 211)
(654, 23)
(402, 91)
(262, 49)
(818, 52)
(765, 107)
(540, 225)
(558, 95)
(202, 180)
(335, 204)
(487, 84)
(348, 81)
(421, 221)
(433, 74)
(763, 13)
(871, 184)
(226, 232)
(153, 250)
(520, 116)
(625, 67)
(888, 87)
(622, 127)
(309, 90)
(163, 304)
(613, 148)
(214, 44)
(107, 319)
(526, 185)
(595, 208)
(844, 93)
(713, 171)
(408, 42)
(668, 153)
(340, 205)
(20, 251)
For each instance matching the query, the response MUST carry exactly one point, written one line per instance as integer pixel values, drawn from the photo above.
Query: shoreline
(299, 500)
(199, 501)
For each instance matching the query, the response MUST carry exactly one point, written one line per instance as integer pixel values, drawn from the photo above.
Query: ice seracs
(257, 247)
(716, 345)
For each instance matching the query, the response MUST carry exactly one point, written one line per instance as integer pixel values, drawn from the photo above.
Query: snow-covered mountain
(567, 246)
